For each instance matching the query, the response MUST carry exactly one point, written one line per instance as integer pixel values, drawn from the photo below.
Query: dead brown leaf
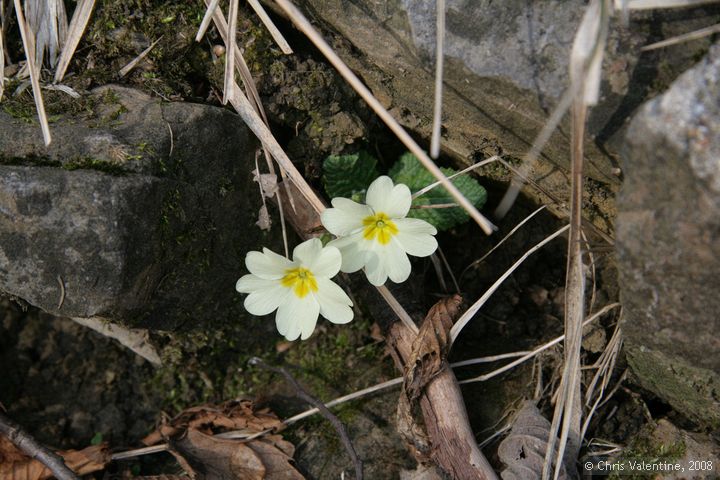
(523, 450)
(15, 465)
(430, 348)
(210, 458)
(211, 419)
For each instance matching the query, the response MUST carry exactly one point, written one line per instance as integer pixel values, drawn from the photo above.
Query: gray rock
(140, 210)
(506, 69)
(668, 241)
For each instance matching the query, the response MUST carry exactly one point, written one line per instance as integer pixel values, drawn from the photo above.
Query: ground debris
(211, 458)
(211, 419)
(190, 439)
(15, 465)
(523, 451)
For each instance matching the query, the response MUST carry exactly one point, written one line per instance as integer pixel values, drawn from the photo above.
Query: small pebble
(219, 50)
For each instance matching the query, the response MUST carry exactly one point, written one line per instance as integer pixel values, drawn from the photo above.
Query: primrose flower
(377, 236)
(299, 289)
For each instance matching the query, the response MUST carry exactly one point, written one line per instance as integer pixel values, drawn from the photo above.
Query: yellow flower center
(301, 280)
(379, 226)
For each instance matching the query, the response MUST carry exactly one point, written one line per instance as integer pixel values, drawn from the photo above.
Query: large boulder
(668, 241)
(506, 68)
(139, 211)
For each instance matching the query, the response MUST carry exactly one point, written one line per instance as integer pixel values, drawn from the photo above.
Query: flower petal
(306, 253)
(383, 197)
(415, 236)
(323, 262)
(387, 261)
(353, 250)
(297, 316)
(334, 302)
(264, 301)
(378, 192)
(346, 217)
(250, 283)
(268, 264)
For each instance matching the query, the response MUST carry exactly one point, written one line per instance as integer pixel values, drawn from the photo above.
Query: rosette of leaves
(349, 176)
(409, 170)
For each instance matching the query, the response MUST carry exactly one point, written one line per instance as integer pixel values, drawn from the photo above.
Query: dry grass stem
(274, 32)
(304, 25)
(2, 49)
(242, 105)
(650, 4)
(695, 35)
(137, 452)
(304, 395)
(585, 74)
(135, 340)
(529, 355)
(561, 206)
(134, 62)
(441, 254)
(207, 18)
(504, 239)
(435, 206)
(28, 45)
(439, 60)
(531, 157)
(254, 98)
(79, 22)
(230, 48)
(398, 309)
(470, 312)
(461, 172)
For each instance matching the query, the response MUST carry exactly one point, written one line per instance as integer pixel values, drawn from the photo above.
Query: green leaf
(349, 175)
(96, 439)
(409, 170)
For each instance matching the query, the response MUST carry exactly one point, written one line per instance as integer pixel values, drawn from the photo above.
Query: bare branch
(25, 442)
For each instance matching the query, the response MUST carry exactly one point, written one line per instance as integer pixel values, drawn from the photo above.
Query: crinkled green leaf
(349, 175)
(409, 170)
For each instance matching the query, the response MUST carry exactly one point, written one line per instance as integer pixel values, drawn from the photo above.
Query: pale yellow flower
(299, 290)
(377, 236)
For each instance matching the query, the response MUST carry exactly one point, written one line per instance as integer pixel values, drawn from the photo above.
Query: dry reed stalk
(134, 62)
(79, 22)
(274, 32)
(470, 312)
(34, 69)
(474, 166)
(651, 4)
(585, 75)
(230, 48)
(207, 18)
(439, 61)
(503, 240)
(694, 35)
(2, 48)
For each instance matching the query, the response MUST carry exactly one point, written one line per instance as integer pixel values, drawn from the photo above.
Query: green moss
(94, 164)
(689, 389)
(57, 104)
(645, 449)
